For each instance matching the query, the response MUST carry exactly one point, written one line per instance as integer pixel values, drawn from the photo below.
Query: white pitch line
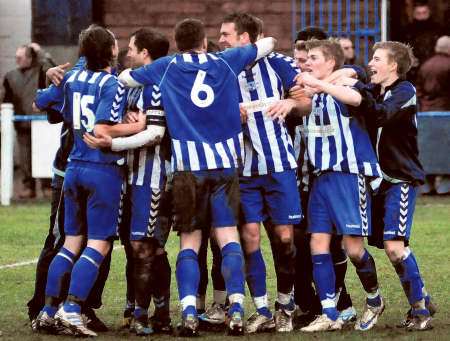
(34, 261)
(16, 265)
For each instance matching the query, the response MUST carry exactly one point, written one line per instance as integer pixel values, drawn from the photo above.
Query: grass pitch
(23, 227)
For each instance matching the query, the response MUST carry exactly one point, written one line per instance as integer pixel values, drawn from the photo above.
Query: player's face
(229, 36)
(381, 68)
(135, 57)
(318, 65)
(300, 57)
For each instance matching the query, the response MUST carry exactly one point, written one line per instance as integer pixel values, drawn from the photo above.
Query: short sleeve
(112, 103)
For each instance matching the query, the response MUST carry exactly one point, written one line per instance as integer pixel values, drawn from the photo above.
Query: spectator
(421, 34)
(433, 79)
(433, 89)
(20, 88)
(349, 51)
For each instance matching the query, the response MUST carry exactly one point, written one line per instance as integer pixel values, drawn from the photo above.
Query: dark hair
(311, 32)
(330, 48)
(399, 53)
(96, 45)
(245, 23)
(189, 34)
(300, 46)
(156, 44)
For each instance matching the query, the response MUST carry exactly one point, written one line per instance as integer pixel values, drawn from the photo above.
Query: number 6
(198, 87)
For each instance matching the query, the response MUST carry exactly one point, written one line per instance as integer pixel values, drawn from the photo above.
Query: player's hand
(341, 73)
(96, 142)
(280, 109)
(306, 79)
(56, 74)
(345, 81)
(142, 120)
(244, 114)
(298, 92)
(131, 117)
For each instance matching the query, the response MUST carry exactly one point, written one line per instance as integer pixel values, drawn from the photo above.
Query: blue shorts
(92, 199)
(204, 199)
(274, 196)
(141, 210)
(341, 200)
(393, 210)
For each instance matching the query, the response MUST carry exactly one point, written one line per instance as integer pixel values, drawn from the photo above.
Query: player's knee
(251, 239)
(319, 244)
(394, 251)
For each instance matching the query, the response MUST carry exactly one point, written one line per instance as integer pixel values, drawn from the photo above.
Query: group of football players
(215, 145)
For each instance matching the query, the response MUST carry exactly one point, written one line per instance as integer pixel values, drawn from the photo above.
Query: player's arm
(239, 57)
(145, 75)
(152, 135)
(288, 71)
(343, 94)
(109, 112)
(401, 102)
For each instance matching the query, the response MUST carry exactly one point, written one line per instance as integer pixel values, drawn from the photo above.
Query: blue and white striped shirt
(146, 165)
(336, 140)
(200, 96)
(268, 146)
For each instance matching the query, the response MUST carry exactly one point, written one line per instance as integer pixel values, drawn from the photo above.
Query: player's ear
(244, 38)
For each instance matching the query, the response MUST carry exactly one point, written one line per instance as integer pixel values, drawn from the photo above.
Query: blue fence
(359, 20)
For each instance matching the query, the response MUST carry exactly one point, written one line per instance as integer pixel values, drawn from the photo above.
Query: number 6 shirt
(201, 100)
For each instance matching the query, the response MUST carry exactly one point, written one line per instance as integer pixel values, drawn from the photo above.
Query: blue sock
(412, 275)
(324, 277)
(60, 266)
(72, 307)
(256, 280)
(84, 273)
(50, 310)
(188, 277)
(411, 255)
(138, 312)
(233, 268)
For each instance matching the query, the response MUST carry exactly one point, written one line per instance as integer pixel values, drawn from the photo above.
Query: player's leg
(224, 201)
(102, 189)
(355, 225)
(53, 242)
(145, 204)
(347, 312)
(320, 225)
(203, 265)
(61, 266)
(252, 206)
(399, 207)
(304, 292)
(216, 312)
(190, 198)
(124, 235)
(282, 201)
(161, 321)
